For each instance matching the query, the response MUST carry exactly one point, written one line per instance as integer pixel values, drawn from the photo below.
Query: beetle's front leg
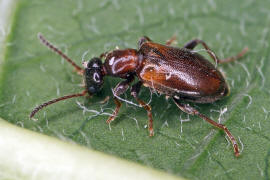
(190, 110)
(193, 43)
(135, 89)
(120, 88)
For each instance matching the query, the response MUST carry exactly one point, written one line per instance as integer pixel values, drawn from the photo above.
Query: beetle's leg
(233, 58)
(120, 88)
(116, 110)
(135, 89)
(44, 41)
(190, 110)
(105, 100)
(193, 43)
(142, 40)
(171, 40)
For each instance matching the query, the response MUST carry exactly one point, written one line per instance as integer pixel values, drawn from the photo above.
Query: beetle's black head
(94, 75)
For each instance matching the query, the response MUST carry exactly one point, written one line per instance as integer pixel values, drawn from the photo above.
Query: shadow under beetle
(178, 73)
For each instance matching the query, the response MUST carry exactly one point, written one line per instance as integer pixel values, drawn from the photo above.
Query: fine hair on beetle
(178, 73)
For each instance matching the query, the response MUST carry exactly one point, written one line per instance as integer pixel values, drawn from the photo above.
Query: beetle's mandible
(179, 73)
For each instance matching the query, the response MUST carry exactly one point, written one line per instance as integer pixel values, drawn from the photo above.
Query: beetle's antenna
(54, 101)
(44, 41)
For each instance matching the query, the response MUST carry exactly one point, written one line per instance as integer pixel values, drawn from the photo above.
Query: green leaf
(35, 156)
(31, 75)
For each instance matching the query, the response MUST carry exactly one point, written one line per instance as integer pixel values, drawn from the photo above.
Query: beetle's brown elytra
(178, 73)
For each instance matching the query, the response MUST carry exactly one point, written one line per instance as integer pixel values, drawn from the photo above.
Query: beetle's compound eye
(94, 76)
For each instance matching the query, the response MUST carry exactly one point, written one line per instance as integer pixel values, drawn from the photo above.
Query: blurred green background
(183, 145)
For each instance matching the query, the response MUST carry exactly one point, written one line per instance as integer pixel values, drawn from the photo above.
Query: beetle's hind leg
(135, 89)
(44, 41)
(193, 43)
(190, 110)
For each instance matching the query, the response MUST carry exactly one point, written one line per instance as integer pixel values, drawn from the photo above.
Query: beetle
(178, 73)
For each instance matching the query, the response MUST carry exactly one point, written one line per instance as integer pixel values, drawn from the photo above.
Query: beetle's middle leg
(193, 43)
(120, 88)
(190, 110)
(135, 89)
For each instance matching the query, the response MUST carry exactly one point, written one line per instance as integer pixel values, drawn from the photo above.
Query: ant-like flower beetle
(179, 73)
